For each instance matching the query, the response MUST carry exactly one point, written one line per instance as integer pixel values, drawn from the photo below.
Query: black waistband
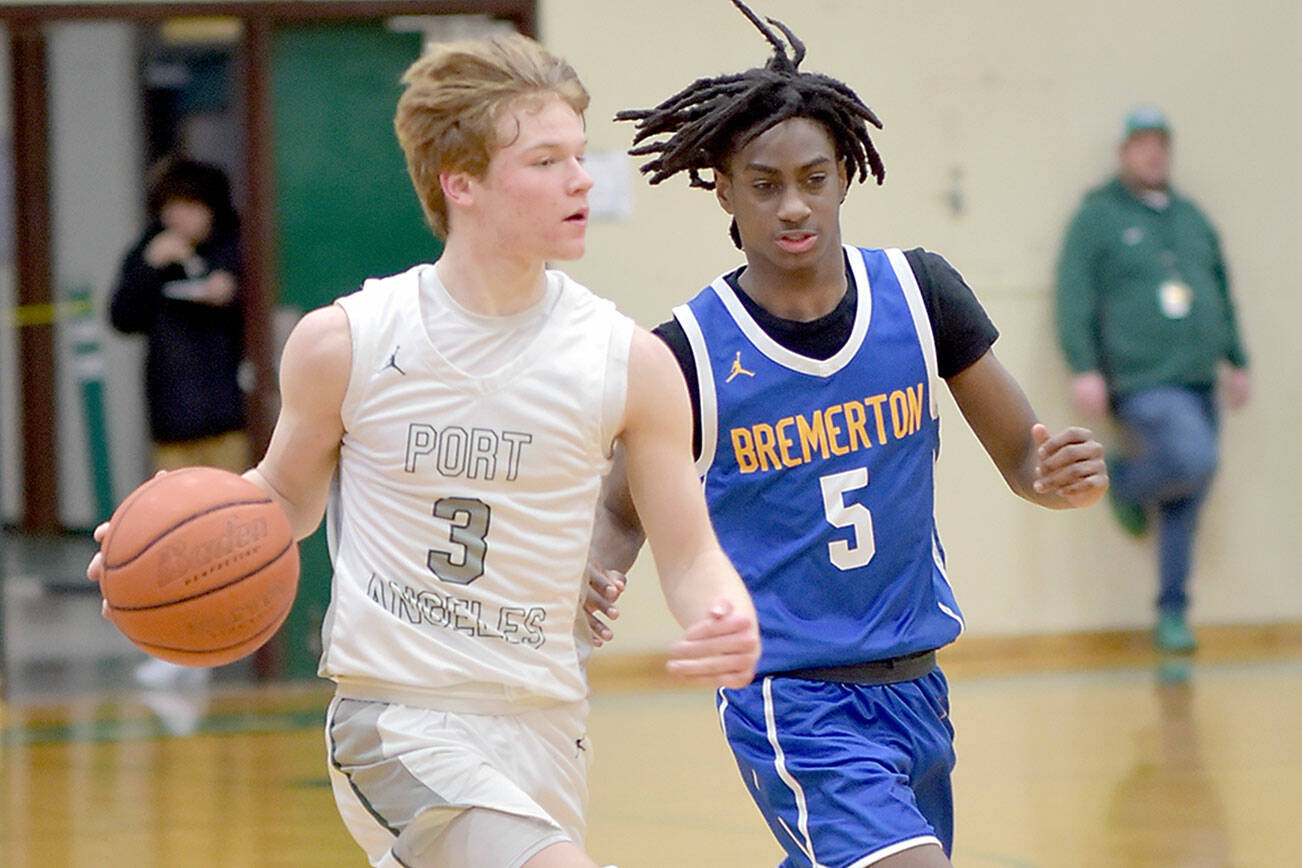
(891, 671)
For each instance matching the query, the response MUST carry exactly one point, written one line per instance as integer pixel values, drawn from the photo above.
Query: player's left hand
(721, 649)
(1069, 464)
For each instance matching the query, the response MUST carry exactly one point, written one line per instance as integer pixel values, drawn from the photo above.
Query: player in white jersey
(458, 418)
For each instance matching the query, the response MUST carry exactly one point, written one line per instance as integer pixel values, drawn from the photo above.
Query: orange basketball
(200, 566)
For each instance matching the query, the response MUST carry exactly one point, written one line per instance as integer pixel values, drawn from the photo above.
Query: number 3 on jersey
(848, 554)
(469, 517)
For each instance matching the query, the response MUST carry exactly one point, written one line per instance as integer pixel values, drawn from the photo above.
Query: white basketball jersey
(463, 505)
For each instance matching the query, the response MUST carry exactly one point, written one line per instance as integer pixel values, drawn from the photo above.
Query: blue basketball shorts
(845, 774)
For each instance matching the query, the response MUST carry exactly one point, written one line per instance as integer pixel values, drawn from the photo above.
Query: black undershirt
(960, 327)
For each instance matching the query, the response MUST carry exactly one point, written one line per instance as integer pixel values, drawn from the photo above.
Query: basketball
(200, 567)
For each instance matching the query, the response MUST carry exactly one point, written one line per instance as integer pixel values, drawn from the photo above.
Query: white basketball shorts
(440, 788)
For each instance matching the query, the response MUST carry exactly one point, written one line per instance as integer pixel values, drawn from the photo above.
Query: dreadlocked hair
(708, 121)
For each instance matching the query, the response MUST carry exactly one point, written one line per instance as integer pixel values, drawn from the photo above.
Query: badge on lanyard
(1175, 298)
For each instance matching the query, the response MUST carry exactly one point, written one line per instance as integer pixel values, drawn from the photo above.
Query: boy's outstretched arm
(720, 643)
(304, 449)
(1059, 470)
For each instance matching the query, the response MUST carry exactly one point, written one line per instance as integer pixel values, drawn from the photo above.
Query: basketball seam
(221, 587)
(189, 518)
(269, 628)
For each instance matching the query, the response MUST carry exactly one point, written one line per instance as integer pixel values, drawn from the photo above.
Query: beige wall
(1014, 107)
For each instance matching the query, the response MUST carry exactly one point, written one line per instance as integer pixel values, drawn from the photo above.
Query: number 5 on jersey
(848, 554)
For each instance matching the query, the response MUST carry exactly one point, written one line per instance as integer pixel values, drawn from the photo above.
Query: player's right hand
(95, 570)
(604, 588)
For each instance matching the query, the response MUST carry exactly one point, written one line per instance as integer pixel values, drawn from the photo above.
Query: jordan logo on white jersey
(737, 369)
(393, 361)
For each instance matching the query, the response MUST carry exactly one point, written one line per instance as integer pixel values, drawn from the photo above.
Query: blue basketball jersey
(820, 473)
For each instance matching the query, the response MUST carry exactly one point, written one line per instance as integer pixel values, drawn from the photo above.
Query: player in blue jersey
(813, 371)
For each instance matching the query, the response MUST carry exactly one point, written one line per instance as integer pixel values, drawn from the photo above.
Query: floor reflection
(1168, 810)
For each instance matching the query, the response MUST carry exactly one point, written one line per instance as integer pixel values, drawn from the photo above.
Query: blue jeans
(1173, 449)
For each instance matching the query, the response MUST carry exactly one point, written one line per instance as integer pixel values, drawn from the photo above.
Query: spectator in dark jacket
(179, 286)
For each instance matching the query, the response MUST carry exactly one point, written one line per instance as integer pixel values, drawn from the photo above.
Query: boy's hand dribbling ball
(200, 567)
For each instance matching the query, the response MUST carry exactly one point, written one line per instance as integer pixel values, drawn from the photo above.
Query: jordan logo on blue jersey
(737, 369)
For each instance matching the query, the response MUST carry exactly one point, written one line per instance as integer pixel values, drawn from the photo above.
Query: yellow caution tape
(48, 312)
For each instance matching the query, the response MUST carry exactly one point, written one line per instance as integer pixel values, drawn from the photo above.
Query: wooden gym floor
(1160, 763)
(1073, 751)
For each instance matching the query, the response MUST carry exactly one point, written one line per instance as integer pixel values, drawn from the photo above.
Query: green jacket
(1143, 295)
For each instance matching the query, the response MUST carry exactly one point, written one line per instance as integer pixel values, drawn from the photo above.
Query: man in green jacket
(1147, 325)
